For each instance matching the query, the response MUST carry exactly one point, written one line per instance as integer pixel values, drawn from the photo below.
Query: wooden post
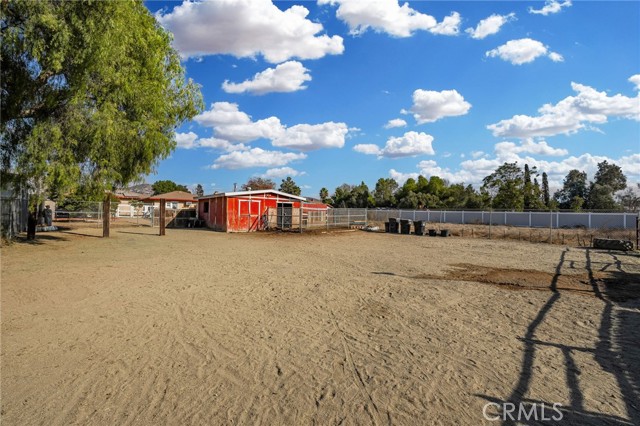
(163, 205)
(300, 216)
(106, 215)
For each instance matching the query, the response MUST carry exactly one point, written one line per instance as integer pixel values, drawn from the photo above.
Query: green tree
(607, 181)
(601, 198)
(164, 186)
(92, 93)
(436, 186)
(384, 192)
(342, 196)
(573, 192)
(324, 195)
(199, 190)
(361, 197)
(410, 185)
(258, 183)
(610, 175)
(630, 199)
(505, 187)
(529, 193)
(289, 186)
(546, 196)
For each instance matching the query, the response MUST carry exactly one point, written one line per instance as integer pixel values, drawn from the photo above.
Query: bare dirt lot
(198, 327)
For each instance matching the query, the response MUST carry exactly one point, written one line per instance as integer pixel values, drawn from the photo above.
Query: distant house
(127, 206)
(175, 200)
(247, 211)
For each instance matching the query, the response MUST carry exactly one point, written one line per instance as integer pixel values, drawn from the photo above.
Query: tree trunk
(106, 215)
(31, 226)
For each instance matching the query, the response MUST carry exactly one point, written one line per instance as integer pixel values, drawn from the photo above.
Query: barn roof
(256, 192)
(174, 196)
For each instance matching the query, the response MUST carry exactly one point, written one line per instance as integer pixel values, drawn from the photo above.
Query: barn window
(206, 207)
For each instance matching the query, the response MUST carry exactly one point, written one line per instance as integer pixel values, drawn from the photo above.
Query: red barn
(247, 211)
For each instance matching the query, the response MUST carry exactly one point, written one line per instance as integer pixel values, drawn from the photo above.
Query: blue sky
(340, 91)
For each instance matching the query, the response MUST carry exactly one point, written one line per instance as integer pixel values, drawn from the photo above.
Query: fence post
(366, 217)
(463, 218)
(299, 216)
(162, 216)
(348, 218)
(529, 219)
(589, 220)
(490, 221)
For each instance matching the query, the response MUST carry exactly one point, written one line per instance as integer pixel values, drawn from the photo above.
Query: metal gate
(285, 215)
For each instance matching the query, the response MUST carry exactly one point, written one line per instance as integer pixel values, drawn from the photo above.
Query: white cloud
(401, 178)
(247, 28)
(450, 25)
(255, 157)
(556, 57)
(489, 26)
(222, 144)
(281, 172)
(367, 148)
(190, 141)
(473, 171)
(408, 145)
(570, 114)
(550, 6)
(528, 146)
(231, 124)
(477, 154)
(396, 122)
(389, 17)
(307, 137)
(635, 79)
(287, 77)
(186, 140)
(523, 51)
(429, 106)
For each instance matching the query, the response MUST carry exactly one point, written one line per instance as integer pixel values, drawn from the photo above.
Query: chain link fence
(566, 228)
(313, 218)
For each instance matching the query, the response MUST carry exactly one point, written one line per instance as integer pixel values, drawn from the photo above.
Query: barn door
(248, 215)
(285, 214)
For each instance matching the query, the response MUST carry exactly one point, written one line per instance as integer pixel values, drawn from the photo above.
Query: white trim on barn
(256, 192)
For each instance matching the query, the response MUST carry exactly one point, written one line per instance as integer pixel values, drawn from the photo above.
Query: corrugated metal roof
(256, 192)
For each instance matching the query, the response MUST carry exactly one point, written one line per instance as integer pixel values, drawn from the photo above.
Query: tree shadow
(40, 239)
(617, 350)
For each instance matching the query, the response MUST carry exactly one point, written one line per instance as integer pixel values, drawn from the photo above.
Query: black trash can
(418, 227)
(432, 233)
(444, 232)
(405, 226)
(393, 227)
(386, 227)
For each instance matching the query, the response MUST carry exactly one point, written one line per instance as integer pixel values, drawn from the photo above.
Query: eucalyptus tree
(92, 93)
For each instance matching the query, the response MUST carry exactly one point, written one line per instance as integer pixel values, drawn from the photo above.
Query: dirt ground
(199, 327)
